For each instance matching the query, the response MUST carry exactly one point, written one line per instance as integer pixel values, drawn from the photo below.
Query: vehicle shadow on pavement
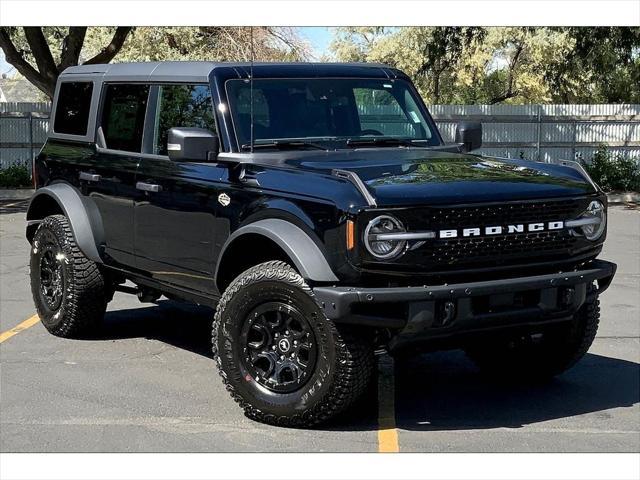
(182, 325)
(437, 391)
(444, 391)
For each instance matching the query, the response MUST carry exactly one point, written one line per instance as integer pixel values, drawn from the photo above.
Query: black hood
(415, 176)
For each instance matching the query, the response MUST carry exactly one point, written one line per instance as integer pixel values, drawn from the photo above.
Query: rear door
(174, 220)
(111, 179)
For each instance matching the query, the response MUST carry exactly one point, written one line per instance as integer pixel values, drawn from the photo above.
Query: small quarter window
(72, 111)
(123, 116)
(181, 106)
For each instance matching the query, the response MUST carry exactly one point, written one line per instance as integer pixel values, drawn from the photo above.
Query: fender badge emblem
(224, 199)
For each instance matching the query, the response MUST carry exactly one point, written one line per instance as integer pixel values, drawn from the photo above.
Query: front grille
(499, 248)
(493, 250)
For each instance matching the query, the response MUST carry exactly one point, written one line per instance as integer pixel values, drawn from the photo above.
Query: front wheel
(281, 359)
(544, 355)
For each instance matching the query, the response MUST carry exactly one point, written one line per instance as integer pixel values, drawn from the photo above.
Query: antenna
(251, 89)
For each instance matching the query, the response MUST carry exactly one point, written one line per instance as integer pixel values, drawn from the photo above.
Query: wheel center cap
(284, 345)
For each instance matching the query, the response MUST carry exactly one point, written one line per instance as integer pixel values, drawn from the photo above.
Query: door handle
(90, 177)
(148, 187)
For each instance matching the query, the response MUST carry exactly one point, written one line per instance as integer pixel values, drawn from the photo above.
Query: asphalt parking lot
(148, 384)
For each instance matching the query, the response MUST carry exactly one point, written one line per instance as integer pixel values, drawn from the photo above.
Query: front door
(174, 219)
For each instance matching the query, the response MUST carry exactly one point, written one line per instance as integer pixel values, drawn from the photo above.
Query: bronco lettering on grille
(501, 230)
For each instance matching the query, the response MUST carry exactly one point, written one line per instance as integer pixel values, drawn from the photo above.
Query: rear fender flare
(83, 215)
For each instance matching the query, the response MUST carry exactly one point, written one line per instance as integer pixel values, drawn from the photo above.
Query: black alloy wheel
(279, 346)
(52, 278)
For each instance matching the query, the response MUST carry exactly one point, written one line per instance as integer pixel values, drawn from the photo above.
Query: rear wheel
(68, 289)
(281, 359)
(544, 355)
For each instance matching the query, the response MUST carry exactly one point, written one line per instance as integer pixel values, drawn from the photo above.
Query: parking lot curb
(16, 193)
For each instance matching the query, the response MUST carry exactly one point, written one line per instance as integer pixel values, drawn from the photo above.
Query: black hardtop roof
(201, 71)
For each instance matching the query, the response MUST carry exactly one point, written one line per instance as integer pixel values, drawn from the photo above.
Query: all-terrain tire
(344, 363)
(83, 298)
(558, 349)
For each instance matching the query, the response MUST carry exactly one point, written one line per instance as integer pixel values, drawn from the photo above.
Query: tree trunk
(111, 50)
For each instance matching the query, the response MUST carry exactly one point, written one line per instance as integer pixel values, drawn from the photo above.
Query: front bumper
(448, 309)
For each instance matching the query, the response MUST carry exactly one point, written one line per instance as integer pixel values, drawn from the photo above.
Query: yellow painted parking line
(29, 322)
(387, 431)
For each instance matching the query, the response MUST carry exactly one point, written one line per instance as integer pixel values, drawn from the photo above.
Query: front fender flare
(83, 215)
(306, 256)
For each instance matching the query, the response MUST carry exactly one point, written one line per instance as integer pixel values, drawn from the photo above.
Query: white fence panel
(41, 107)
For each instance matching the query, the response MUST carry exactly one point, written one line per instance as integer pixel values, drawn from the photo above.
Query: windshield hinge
(359, 184)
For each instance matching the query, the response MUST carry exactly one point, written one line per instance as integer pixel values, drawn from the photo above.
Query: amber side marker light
(350, 235)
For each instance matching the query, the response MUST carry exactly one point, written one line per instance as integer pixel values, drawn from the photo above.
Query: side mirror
(469, 136)
(191, 144)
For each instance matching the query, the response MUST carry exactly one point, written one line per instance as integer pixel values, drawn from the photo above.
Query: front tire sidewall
(231, 350)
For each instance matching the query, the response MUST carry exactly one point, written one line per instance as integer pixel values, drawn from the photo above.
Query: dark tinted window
(123, 116)
(72, 112)
(182, 106)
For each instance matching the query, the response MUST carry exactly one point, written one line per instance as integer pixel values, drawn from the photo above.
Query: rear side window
(123, 115)
(181, 106)
(72, 111)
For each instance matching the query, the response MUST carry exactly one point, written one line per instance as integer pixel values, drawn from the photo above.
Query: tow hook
(568, 297)
(449, 312)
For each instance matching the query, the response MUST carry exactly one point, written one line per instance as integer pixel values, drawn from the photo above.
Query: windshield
(333, 112)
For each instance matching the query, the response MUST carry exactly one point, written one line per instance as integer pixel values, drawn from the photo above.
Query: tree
(147, 44)
(353, 44)
(52, 49)
(603, 65)
(33, 44)
(505, 64)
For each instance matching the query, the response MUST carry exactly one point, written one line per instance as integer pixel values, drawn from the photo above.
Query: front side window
(123, 116)
(328, 110)
(72, 110)
(181, 106)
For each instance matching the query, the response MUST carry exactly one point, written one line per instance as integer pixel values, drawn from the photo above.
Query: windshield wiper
(378, 141)
(284, 144)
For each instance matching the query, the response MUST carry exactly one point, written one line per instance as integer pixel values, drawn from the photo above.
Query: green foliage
(613, 172)
(519, 65)
(15, 176)
(150, 44)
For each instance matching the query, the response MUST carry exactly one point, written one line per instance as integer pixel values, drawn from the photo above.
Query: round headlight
(375, 233)
(598, 214)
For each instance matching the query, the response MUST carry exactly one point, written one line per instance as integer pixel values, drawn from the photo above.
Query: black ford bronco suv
(318, 210)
